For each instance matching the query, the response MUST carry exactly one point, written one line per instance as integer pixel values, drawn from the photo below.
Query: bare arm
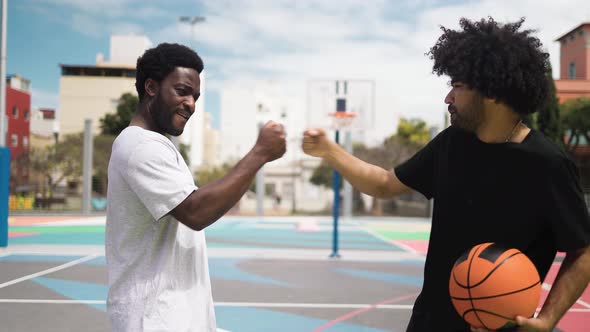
(367, 178)
(209, 203)
(571, 280)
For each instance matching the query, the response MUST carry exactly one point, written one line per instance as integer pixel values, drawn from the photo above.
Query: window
(14, 140)
(26, 115)
(581, 32)
(572, 70)
(572, 36)
(15, 112)
(25, 141)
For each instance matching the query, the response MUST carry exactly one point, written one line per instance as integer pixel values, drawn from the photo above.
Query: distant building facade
(18, 113)
(91, 91)
(574, 66)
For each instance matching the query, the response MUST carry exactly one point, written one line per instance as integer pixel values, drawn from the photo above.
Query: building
(574, 66)
(91, 91)
(43, 130)
(18, 113)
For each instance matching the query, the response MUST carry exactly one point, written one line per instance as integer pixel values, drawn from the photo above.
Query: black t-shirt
(523, 195)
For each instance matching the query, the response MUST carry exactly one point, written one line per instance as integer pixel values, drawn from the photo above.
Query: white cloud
(351, 39)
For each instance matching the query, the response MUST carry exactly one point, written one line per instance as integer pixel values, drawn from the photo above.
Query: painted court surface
(270, 274)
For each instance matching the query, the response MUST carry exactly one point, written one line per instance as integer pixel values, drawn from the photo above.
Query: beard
(162, 116)
(469, 117)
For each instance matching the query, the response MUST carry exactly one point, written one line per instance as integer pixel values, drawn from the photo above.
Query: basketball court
(268, 274)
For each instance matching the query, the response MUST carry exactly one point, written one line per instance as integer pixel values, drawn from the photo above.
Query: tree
(576, 121)
(100, 162)
(411, 135)
(59, 162)
(113, 124)
(547, 119)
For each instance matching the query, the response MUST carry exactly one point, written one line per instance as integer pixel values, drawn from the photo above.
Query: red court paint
(360, 311)
(20, 234)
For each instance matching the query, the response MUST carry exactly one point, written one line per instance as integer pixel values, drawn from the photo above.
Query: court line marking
(51, 270)
(235, 304)
(363, 310)
(254, 304)
(392, 243)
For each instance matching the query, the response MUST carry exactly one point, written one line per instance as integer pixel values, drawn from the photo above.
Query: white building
(243, 110)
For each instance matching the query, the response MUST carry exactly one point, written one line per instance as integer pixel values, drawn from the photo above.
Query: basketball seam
(497, 295)
(487, 276)
(469, 288)
(487, 312)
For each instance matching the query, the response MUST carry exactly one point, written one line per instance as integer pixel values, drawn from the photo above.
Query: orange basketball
(490, 285)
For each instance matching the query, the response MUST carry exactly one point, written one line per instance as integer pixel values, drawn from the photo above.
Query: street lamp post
(192, 20)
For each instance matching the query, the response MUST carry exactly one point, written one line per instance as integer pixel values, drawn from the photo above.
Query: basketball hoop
(342, 120)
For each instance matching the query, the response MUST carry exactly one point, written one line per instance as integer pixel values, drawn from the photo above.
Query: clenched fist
(271, 141)
(316, 143)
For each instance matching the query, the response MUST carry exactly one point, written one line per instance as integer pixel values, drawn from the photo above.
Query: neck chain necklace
(513, 130)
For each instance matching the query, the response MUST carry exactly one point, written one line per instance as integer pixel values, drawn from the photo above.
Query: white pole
(87, 167)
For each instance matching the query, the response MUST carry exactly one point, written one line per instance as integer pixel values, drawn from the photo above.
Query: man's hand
(271, 141)
(315, 143)
(526, 325)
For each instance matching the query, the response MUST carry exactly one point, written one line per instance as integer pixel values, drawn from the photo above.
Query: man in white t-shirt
(155, 244)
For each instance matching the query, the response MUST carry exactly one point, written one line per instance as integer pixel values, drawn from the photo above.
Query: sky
(288, 42)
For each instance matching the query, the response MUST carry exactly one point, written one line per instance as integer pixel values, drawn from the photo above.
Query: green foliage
(58, 162)
(575, 115)
(208, 174)
(113, 124)
(410, 137)
(547, 120)
(100, 161)
(413, 131)
(323, 175)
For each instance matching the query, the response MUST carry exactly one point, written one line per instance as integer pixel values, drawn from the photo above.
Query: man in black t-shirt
(492, 178)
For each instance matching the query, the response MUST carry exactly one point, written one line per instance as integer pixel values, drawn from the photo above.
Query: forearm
(213, 200)
(365, 177)
(571, 280)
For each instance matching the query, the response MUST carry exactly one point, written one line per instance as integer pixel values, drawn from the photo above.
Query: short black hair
(156, 63)
(497, 60)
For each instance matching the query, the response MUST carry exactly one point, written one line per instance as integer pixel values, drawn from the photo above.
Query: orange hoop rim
(342, 114)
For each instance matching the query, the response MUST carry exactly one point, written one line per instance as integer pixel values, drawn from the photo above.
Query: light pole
(192, 20)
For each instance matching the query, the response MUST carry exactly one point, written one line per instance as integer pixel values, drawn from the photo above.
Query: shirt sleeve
(568, 213)
(418, 172)
(159, 178)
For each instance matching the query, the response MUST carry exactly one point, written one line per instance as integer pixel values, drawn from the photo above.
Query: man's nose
(189, 104)
(449, 99)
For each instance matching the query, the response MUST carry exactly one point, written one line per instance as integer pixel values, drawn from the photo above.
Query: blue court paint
(38, 258)
(224, 268)
(85, 238)
(387, 277)
(76, 290)
(255, 320)
(98, 261)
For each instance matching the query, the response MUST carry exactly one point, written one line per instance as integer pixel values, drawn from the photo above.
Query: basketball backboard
(326, 96)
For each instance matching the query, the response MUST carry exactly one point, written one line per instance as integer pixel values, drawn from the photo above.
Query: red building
(574, 66)
(18, 114)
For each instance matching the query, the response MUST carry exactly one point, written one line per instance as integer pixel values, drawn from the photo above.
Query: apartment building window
(14, 140)
(25, 141)
(572, 70)
(15, 112)
(26, 115)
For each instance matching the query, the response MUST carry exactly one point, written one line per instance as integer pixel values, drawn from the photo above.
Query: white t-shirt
(157, 267)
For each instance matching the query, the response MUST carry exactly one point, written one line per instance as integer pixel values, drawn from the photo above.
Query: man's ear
(151, 87)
